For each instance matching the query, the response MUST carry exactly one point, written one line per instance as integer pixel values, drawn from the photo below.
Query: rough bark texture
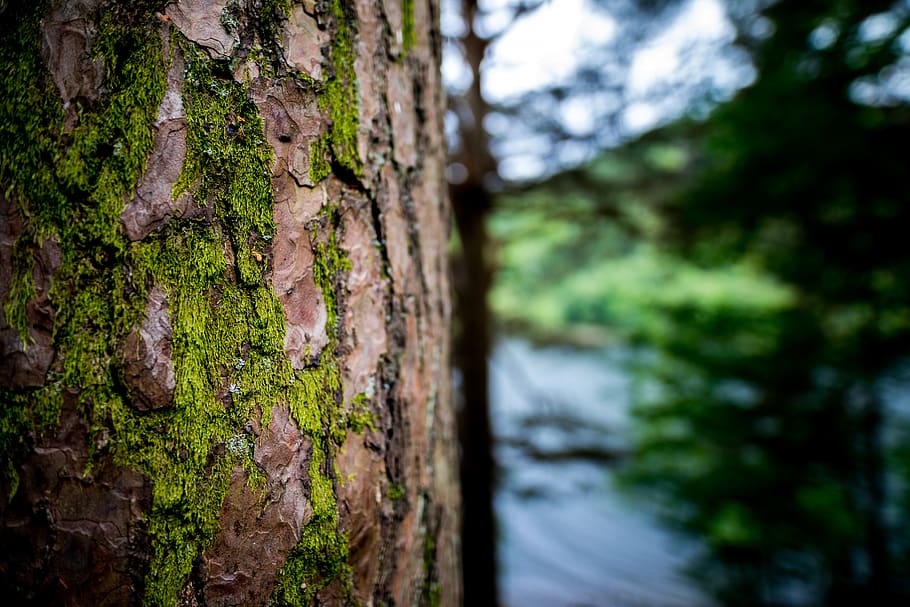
(224, 323)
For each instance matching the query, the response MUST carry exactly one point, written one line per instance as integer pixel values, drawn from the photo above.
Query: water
(567, 537)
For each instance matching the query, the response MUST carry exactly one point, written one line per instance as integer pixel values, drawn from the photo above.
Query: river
(567, 536)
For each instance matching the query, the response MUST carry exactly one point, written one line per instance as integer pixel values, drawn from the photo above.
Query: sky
(667, 73)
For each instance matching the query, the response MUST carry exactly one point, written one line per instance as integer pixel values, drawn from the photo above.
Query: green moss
(407, 25)
(267, 17)
(20, 419)
(222, 314)
(228, 326)
(329, 260)
(341, 100)
(22, 286)
(431, 590)
(219, 312)
(360, 417)
(320, 158)
(321, 555)
(70, 186)
(434, 595)
(100, 289)
(396, 492)
(26, 145)
(227, 162)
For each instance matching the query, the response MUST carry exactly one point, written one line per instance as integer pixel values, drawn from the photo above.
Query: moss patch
(267, 17)
(407, 25)
(223, 315)
(339, 99)
(20, 418)
(431, 590)
(360, 417)
(396, 492)
(320, 158)
(27, 146)
(321, 555)
(330, 260)
(70, 186)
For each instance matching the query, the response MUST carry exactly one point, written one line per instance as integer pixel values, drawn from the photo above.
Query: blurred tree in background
(535, 122)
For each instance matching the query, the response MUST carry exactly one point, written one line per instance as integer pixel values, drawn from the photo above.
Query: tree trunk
(225, 374)
(472, 202)
(471, 353)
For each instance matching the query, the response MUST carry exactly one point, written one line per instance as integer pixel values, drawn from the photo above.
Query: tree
(475, 157)
(225, 373)
(777, 432)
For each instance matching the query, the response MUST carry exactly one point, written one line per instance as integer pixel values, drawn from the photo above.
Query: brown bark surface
(75, 530)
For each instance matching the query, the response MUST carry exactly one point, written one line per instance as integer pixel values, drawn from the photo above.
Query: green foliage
(773, 453)
(590, 266)
(756, 258)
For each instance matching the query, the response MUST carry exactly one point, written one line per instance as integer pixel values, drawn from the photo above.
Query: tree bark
(224, 330)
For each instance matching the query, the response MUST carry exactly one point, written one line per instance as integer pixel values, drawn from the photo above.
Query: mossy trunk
(225, 305)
